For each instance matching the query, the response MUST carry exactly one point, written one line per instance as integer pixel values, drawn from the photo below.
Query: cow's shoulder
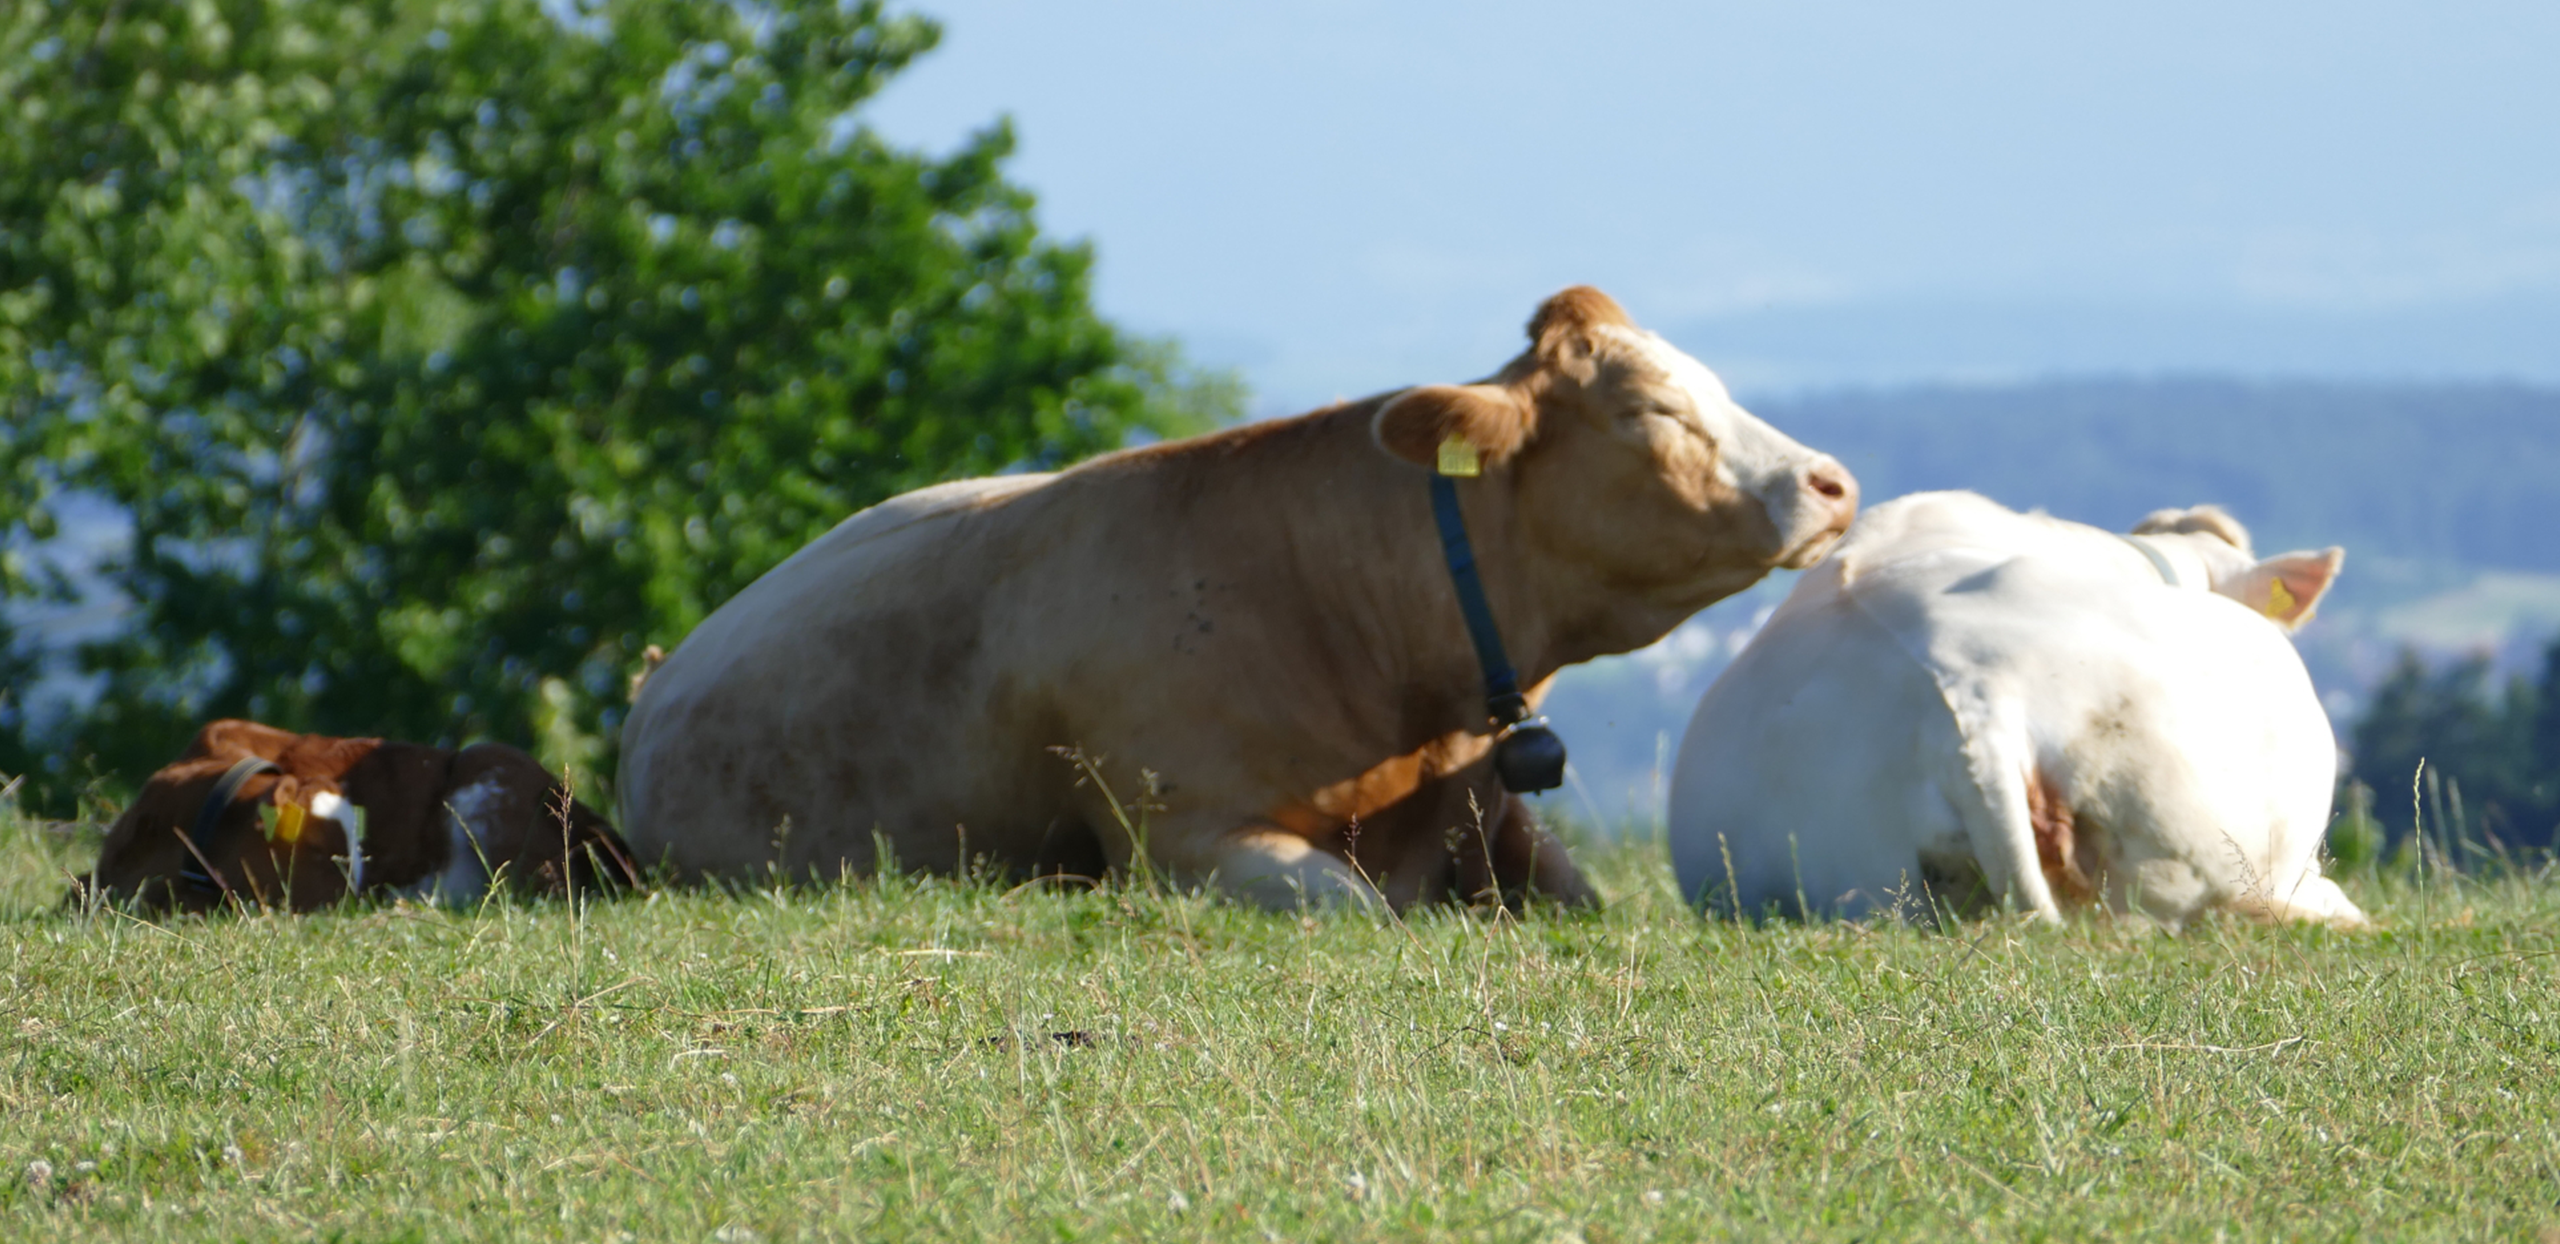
(497, 774)
(1958, 554)
(509, 801)
(400, 786)
(1924, 523)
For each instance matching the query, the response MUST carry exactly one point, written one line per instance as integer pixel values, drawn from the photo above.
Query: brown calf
(302, 820)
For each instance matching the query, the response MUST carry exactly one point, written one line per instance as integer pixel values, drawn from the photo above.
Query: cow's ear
(1442, 425)
(2288, 586)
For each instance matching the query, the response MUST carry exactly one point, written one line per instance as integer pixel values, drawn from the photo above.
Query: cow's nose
(1825, 500)
(1838, 489)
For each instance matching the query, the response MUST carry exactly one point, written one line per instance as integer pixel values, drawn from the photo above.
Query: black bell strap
(1527, 756)
(192, 869)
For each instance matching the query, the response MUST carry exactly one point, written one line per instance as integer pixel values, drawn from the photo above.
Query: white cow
(1964, 703)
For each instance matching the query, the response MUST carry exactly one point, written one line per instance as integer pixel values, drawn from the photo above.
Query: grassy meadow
(941, 1059)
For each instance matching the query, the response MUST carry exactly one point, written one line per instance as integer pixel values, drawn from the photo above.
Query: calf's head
(1627, 457)
(282, 839)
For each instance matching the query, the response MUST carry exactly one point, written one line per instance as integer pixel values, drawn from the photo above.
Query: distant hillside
(2459, 475)
(2446, 497)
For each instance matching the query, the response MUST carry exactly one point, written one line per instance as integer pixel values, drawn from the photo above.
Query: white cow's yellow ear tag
(1460, 459)
(282, 822)
(2279, 601)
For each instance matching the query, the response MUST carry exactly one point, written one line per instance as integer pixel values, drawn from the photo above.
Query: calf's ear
(2288, 586)
(1438, 425)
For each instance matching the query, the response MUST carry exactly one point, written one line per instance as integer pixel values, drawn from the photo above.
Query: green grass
(881, 1061)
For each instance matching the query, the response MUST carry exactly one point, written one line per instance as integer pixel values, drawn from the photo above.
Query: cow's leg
(2311, 898)
(1251, 856)
(1282, 871)
(1531, 863)
(1438, 844)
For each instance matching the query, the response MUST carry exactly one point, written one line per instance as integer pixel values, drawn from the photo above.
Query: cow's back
(790, 712)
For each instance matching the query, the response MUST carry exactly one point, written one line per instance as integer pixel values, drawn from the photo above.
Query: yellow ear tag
(283, 822)
(1460, 459)
(2279, 601)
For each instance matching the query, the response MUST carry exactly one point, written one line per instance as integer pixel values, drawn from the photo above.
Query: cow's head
(1628, 457)
(2286, 587)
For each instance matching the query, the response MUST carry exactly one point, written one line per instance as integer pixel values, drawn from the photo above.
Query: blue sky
(1339, 197)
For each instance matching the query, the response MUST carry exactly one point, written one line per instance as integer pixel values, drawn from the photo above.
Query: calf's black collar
(196, 868)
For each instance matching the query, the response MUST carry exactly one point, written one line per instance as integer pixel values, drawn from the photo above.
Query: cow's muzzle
(1817, 510)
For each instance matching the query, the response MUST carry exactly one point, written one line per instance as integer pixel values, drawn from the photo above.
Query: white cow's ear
(1438, 423)
(2286, 587)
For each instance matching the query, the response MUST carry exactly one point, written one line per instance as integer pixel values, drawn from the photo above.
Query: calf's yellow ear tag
(283, 822)
(1460, 459)
(2279, 601)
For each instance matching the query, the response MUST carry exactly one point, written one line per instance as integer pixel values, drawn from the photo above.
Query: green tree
(2542, 753)
(445, 352)
(2487, 776)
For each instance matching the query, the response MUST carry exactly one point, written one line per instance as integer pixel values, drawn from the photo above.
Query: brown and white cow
(309, 818)
(1252, 632)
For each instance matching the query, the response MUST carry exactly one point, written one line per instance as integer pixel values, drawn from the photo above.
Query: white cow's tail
(2014, 816)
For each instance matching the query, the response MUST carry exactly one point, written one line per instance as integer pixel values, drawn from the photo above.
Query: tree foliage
(2492, 755)
(446, 352)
